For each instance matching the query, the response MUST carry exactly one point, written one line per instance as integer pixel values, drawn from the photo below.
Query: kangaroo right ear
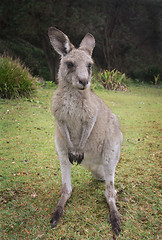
(59, 41)
(88, 43)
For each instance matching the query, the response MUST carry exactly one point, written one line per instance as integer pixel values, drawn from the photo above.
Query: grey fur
(86, 130)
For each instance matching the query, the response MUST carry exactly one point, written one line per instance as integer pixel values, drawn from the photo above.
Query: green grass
(30, 176)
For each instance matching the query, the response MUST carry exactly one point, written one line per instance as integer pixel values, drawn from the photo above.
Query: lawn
(30, 176)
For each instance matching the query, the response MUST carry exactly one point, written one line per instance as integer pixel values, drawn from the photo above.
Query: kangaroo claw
(53, 224)
(71, 157)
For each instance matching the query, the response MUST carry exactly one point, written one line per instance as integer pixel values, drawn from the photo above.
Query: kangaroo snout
(83, 83)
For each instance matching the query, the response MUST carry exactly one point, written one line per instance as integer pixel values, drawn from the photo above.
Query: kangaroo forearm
(86, 133)
(65, 132)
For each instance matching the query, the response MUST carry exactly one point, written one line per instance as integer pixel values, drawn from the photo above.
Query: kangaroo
(86, 132)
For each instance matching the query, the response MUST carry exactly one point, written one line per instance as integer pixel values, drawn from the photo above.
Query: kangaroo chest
(73, 111)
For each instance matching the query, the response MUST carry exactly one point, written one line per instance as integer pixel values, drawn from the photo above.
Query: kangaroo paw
(115, 221)
(57, 214)
(80, 158)
(71, 157)
(75, 157)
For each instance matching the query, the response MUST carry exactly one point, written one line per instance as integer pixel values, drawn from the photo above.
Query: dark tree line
(128, 32)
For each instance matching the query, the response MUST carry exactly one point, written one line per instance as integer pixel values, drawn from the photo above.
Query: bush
(49, 84)
(152, 71)
(96, 84)
(150, 75)
(15, 79)
(113, 80)
(33, 57)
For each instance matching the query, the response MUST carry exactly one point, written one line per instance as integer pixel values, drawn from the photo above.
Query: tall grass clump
(113, 80)
(15, 79)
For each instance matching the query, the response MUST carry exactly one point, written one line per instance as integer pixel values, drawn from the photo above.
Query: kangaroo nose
(83, 82)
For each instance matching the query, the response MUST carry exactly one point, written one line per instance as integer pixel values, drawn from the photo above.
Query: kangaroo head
(76, 64)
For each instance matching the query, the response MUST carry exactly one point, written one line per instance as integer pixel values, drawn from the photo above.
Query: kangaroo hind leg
(111, 160)
(65, 193)
(98, 172)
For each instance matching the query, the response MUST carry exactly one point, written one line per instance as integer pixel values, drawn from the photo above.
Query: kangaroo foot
(57, 214)
(115, 221)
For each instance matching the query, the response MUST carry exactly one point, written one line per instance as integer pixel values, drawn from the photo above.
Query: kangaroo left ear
(59, 41)
(88, 43)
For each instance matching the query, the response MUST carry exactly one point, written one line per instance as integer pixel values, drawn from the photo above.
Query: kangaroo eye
(89, 66)
(70, 64)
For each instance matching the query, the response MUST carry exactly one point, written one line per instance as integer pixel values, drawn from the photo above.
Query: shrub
(148, 75)
(113, 80)
(49, 84)
(156, 79)
(33, 57)
(95, 83)
(152, 71)
(15, 79)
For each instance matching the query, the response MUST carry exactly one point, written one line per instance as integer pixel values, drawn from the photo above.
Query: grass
(30, 176)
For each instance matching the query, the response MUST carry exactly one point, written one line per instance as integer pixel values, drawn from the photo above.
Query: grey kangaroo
(87, 132)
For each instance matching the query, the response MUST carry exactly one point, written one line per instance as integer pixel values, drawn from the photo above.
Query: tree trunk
(52, 60)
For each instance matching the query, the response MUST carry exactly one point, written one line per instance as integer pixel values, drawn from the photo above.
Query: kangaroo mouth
(82, 89)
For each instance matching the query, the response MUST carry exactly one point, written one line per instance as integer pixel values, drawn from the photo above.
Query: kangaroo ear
(59, 41)
(88, 43)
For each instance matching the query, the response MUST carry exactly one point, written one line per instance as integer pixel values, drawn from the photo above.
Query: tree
(29, 20)
(127, 32)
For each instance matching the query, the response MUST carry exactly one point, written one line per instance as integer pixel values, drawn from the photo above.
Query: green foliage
(113, 80)
(150, 73)
(49, 84)
(33, 57)
(147, 75)
(15, 79)
(96, 84)
(127, 33)
(156, 78)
